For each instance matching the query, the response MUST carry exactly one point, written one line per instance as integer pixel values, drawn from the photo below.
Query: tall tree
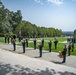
(16, 19)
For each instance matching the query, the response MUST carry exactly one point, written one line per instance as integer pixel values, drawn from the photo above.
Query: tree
(27, 29)
(11, 22)
(35, 32)
(16, 19)
(74, 33)
(4, 23)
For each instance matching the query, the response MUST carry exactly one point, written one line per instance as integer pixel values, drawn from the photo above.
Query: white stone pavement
(19, 64)
(51, 57)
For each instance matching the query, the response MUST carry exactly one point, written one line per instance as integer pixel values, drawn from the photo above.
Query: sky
(59, 14)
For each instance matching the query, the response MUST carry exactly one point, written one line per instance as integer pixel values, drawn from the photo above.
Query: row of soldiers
(25, 43)
(41, 45)
(13, 40)
(70, 47)
(65, 49)
(7, 39)
(71, 40)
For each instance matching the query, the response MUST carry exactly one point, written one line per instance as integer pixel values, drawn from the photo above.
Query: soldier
(14, 37)
(64, 54)
(26, 42)
(23, 45)
(35, 43)
(43, 42)
(69, 48)
(14, 43)
(72, 47)
(74, 40)
(50, 44)
(19, 38)
(40, 50)
(55, 43)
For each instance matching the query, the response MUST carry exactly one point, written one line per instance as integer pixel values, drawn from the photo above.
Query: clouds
(39, 1)
(57, 2)
(59, 14)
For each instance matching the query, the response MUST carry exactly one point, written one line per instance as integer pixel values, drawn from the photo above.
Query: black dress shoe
(40, 56)
(63, 62)
(23, 52)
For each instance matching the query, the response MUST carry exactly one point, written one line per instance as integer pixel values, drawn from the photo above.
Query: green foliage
(74, 33)
(2, 39)
(12, 22)
(31, 30)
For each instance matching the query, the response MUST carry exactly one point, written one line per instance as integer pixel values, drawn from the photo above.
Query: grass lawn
(59, 46)
(46, 47)
(2, 39)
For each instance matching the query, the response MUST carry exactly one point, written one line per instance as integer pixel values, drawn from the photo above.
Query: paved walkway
(51, 57)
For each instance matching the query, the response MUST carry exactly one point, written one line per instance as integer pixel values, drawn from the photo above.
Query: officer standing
(14, 43)
(26, 42)
(35, 43)
(55, 43)
(50, 44)
(40, 50)
(43, 42)
(72, 47)
(69, 48)
(64, 54)
(23, 45)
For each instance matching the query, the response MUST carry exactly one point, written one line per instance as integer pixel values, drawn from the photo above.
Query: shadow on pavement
(37, 57)
(7, 69)
(56, 62)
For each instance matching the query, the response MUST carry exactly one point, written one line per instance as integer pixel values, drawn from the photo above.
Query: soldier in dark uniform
(23, 45)
(68, 40)
(72, 47)
(14, 43)
(55, 43)
(26, 42)
(74, 40)
(35, 43)
(5, 39)
(14, 37)
(69, 48)
(40, 50)
(19, 38)
(43, 42)
(50, 44)
(64, 54)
